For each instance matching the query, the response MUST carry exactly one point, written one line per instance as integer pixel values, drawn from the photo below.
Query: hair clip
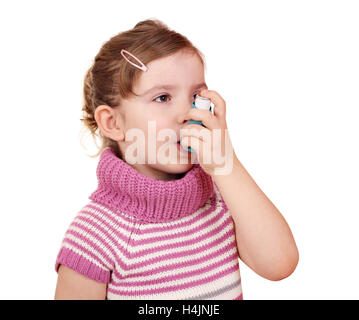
(142, 67)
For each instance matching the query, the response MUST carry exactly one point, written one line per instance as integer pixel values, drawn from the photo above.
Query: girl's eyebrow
(169, 87)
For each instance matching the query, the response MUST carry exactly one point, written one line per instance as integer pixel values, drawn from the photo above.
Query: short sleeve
(86, 246)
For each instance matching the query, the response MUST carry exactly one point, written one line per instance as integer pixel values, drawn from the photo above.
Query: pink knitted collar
(122, 187)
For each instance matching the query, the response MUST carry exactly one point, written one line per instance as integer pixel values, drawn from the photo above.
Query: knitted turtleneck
(122, 187)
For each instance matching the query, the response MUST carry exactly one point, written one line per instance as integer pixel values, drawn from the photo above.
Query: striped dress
(154, 239)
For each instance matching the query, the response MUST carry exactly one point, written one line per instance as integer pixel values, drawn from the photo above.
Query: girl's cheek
(163, 123)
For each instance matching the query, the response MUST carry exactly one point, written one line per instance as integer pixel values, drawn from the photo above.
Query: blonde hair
(110, 78)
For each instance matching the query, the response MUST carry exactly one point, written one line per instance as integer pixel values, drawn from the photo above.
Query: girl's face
(166, 91)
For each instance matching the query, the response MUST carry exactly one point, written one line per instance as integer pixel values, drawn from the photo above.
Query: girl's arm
(74, 286)
(264, 240)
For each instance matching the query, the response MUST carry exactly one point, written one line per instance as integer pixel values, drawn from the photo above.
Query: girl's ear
(110, 122)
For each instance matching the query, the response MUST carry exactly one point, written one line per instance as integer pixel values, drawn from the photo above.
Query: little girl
(174, 228)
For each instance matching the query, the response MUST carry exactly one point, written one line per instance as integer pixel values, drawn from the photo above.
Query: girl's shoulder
(104, 216)
(95, 241)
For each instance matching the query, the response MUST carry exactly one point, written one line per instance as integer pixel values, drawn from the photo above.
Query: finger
(207, 118)
(218, 101)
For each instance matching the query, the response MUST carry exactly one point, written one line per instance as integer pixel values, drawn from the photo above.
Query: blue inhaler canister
(200, 103)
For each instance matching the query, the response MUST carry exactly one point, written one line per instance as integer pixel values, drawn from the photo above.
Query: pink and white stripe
(193, 257)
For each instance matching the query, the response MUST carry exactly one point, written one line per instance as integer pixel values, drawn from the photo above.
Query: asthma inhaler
(200, 103)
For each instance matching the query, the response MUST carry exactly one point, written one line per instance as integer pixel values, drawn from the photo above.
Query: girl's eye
(165, 95)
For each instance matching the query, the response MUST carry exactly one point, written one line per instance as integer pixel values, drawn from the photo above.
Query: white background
(289, 73)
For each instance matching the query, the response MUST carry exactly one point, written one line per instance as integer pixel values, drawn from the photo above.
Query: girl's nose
(181, 118)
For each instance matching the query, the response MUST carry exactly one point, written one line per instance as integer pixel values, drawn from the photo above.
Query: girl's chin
(180, 164)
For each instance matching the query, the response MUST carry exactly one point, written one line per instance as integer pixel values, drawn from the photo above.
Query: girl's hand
(212, 144)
